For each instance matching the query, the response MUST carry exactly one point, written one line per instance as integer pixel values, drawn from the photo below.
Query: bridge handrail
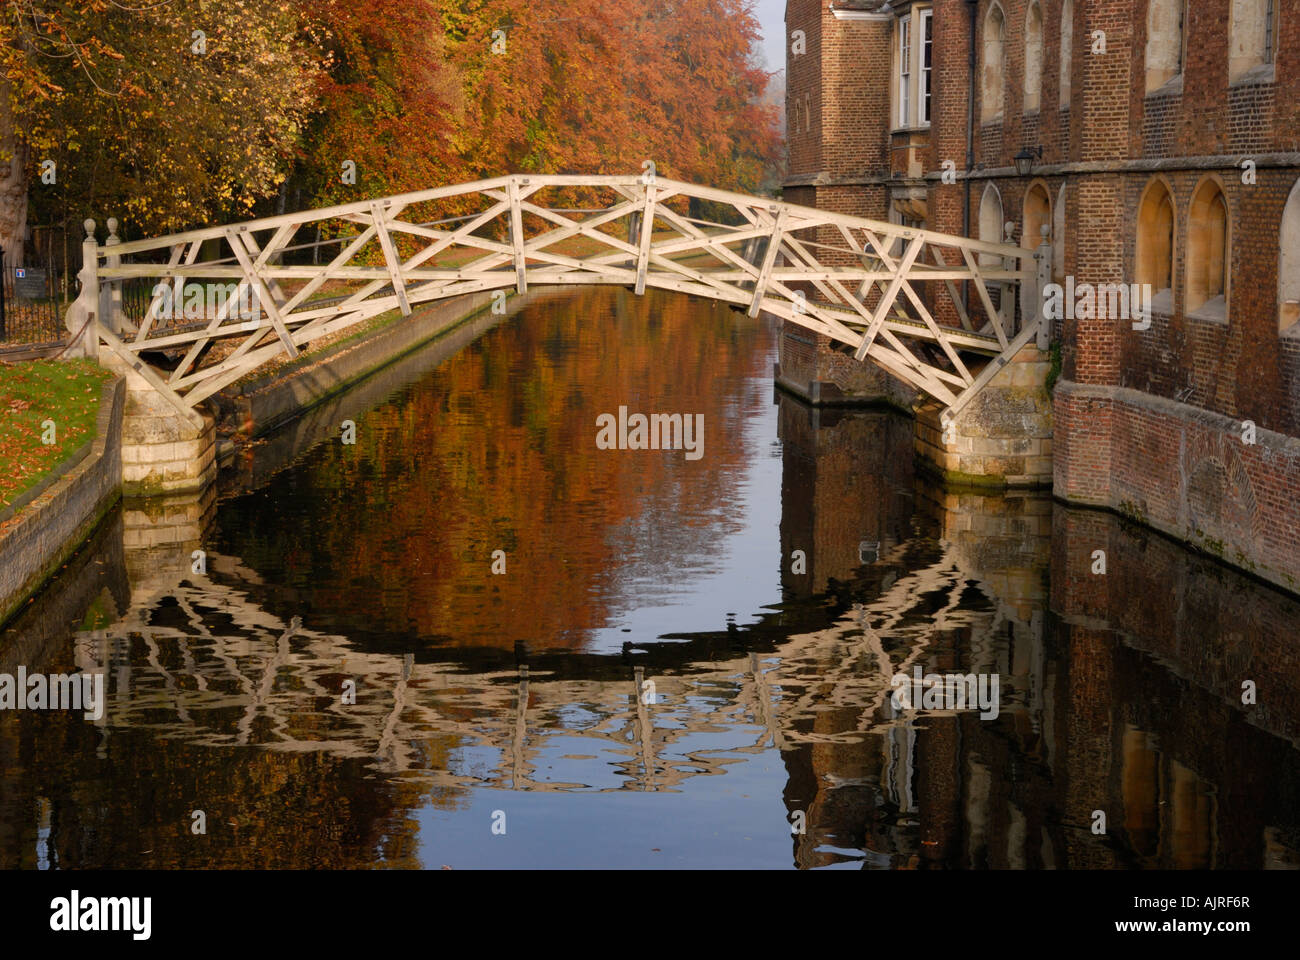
(304, 217)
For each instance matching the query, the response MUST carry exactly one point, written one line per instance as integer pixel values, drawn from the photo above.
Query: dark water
(510, 700)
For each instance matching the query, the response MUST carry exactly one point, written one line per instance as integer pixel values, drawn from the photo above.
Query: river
(477, 638)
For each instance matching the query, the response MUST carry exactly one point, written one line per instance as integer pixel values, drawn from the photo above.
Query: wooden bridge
(880, 289)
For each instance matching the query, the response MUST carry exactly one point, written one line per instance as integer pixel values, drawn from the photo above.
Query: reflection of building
(1097, 712)
(1151, 141)
(846, 494)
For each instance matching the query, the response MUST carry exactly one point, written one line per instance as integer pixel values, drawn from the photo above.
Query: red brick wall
(1240, 370)
(803, 87)
(856, 54)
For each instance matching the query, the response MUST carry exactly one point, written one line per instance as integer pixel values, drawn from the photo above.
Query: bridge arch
(870, 285)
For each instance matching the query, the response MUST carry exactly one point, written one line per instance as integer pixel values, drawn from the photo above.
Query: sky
(771, 17)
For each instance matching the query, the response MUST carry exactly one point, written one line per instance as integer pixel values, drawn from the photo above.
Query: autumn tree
(163, 115)
(390, 102)
(168, 114)
(598, 86)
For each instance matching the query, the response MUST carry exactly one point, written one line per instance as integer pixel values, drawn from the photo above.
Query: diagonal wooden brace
(769, 261)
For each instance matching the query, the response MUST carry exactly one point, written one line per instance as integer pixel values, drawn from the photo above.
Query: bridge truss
(879, 289)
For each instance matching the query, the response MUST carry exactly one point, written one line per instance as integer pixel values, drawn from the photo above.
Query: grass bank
(44, 400)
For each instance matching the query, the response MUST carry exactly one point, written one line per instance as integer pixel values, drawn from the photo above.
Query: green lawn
(32, 392)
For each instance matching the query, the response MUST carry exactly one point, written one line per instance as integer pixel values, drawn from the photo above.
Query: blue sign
(20, 273)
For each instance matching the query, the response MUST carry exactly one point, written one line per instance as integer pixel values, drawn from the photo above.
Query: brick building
(1163, 141)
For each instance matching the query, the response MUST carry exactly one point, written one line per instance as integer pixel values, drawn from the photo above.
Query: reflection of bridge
(199, 660)
(878, 287)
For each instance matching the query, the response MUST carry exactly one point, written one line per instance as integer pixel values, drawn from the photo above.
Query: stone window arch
(1252, 40)
(1155, 242)
(1033, 58)
(1288, 266)
(1166, 20)
(1209, 252)
(1067, 50)
(992, 77)
(991, 223)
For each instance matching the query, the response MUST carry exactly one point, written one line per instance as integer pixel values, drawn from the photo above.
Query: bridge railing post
(1043, 259)
(81, 319)
(110, 293)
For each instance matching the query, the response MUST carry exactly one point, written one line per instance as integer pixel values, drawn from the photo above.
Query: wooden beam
(259, 287)
(152, 313)
(390, 258)
(647, 234)
(517, 237)
(151, 377)
(891, 292)
(985, 299)
(941, 334)
(988, 373)
(769, 261)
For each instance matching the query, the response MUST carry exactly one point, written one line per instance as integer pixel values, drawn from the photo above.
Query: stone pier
(1003, 438)
(163, 451)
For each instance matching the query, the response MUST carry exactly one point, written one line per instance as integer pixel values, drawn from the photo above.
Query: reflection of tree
(496, 450)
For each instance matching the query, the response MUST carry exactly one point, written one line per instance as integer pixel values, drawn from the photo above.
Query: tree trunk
(13, 184)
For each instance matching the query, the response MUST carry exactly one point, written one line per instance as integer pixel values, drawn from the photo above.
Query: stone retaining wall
(48, 530)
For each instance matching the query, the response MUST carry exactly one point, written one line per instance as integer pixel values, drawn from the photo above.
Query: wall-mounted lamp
(1024, 160)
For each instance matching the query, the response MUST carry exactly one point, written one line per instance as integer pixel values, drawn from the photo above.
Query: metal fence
(31, 305)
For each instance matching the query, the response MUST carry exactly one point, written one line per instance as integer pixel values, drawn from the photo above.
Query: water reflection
(682, 659)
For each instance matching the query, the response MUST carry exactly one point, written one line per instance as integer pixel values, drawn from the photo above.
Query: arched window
(992, 86)
(1165, 19)
(1288, 266)
(1037, 214)
(1033, 58)
(1155, 242)
(1058, 237)
(991, 223)
(1208, 252)
(1067, 50)
(1252, 38)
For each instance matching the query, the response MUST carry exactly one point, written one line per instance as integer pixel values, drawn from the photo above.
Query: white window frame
(912, 78)
(1270, 31)
(924, 100)
(905, 41)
